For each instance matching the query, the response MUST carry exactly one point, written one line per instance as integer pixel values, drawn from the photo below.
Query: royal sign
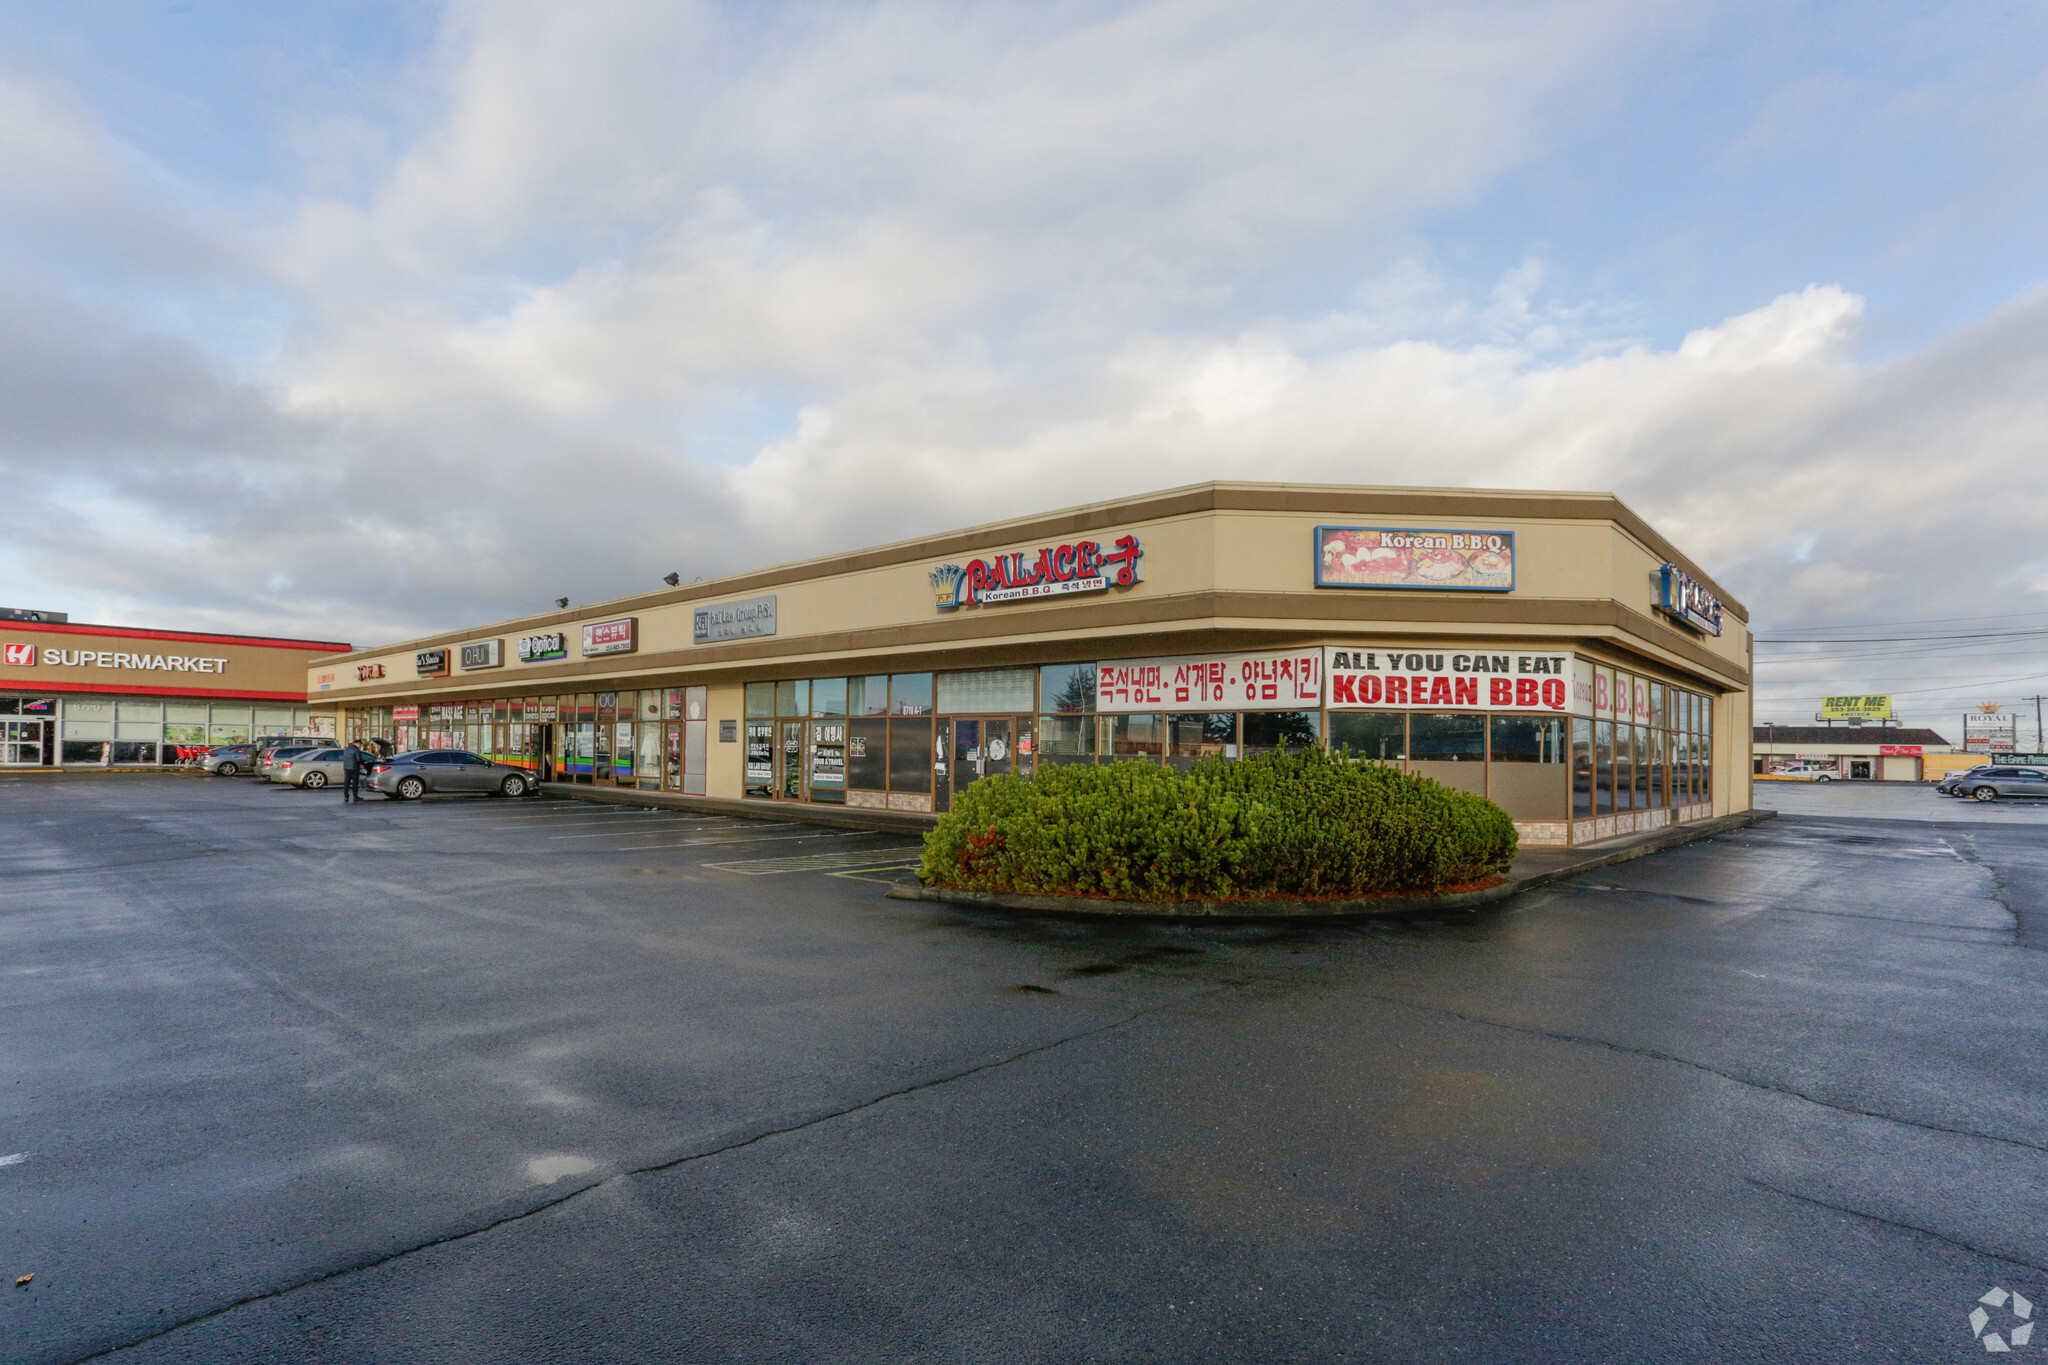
(611, 637)
(1215, 682)
(535, 648)
(1490, 678)
(1681, 597)
(1052, 571)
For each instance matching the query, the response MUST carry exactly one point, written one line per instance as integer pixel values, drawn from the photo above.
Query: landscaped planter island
(1281, 834)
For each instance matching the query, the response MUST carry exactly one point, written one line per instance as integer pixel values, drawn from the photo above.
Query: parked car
(410, 776)
(1947, 786)
(1803, 774)
(313, 768)
(269, 758)
(1988, 784)
(225, 760)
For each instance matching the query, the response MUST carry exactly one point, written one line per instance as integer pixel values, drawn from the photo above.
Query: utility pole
(2040, 743)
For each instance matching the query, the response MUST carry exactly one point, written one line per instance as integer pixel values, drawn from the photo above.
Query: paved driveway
(482, 1081)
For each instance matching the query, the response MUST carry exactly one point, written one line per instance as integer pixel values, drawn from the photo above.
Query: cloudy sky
(362, 319)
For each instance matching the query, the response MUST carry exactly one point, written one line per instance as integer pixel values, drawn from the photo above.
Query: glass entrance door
(23, 741)
(981, 748)
(789, 762)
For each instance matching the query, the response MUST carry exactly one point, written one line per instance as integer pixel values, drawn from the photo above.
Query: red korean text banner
(1482, 678)
(1215, 682)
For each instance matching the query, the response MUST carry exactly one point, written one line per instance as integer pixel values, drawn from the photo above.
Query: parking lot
(477, 1080)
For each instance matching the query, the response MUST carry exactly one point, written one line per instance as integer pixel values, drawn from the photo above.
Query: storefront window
(828, 696)
(991, 691)
(793, 698)
(1448, 738)
(828, 761)
(1133, 737)
(1375, 736)
(910, 754)
(1527, 775)
(1066, 739)
(1267, 732)
(1191, 738)
(910, 694)
(867, 751)
(760, 701)
(1603, 767)
(1067, 688)
(1582, 769)
(1645, 798)
(759, 758)
(1449, 748)
(868, 696)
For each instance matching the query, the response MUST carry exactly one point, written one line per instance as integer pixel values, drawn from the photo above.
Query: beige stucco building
(1549, 649)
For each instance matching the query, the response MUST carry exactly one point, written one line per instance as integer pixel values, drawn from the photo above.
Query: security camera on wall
(562, 602)
(671, 579)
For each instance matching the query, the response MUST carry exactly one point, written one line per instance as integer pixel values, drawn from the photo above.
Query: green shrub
(1280, 825)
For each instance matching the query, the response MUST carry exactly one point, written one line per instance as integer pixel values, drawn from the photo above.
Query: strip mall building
(83, 696)
(1550, 650)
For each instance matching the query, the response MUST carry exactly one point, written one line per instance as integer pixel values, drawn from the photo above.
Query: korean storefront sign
(1216, 682)
(1488, 677)
(483, 654)
(1876, 707)
(1899, 750)
(431, 663)
(1051, 571)
(741, 620)
(369, 672)
(1682, 597)
(1398, 557)
(535, 649)
(409, 712)
(611, 637)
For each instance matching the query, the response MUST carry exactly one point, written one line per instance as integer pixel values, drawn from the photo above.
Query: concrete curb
(1620, 852)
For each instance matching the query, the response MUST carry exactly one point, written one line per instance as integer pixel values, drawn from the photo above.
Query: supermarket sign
(1487, 677)
(1213, 682)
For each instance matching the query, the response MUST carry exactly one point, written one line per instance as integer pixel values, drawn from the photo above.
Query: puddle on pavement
(545, 1170)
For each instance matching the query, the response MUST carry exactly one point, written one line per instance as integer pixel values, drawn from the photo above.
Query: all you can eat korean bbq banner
(1405, 678)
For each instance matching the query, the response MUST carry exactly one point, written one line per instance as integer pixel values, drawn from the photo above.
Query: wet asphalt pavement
(480, 1081)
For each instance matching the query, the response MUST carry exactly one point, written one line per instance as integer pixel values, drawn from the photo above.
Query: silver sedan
(411, 776)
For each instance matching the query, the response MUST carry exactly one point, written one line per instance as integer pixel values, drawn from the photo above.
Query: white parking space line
(816, 862)
(754, 839)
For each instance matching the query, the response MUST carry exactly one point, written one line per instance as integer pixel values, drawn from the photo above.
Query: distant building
(1887, 753)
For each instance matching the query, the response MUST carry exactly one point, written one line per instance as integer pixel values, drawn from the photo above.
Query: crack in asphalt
(1880, 1219)
(2026, 932)
(655, 1168)
(1658, 1055)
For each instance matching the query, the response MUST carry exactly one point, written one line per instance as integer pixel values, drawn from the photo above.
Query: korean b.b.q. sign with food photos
(1390, 557)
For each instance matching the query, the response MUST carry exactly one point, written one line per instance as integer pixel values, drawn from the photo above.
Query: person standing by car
(351, 773)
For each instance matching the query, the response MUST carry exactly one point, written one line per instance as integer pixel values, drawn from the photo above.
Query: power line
(1915, 691)
(1907, 639)
(1936, 621)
